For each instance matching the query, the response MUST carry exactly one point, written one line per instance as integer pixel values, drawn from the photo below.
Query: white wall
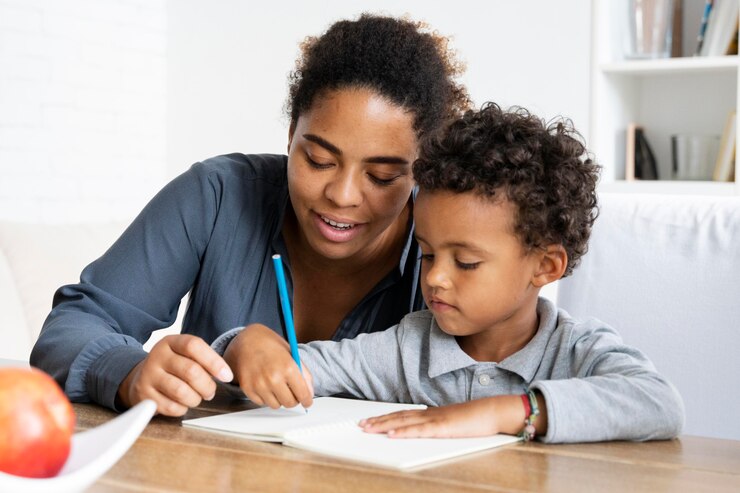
(82, 108)
(102, 101)
(228, 63)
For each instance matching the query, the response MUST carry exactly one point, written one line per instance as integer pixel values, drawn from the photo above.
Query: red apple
(36, 423)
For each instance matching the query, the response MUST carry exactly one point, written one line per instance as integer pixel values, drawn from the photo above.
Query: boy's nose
(437, 277)
(344, 189)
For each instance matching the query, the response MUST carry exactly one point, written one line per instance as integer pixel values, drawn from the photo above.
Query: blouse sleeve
(94, 334)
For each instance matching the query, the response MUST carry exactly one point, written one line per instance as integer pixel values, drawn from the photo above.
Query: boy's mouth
(438, 304)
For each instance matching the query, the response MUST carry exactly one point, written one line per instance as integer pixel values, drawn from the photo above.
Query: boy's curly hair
(399, 59)
(542, 169)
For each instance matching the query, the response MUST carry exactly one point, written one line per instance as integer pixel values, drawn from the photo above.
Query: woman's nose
(344, 189)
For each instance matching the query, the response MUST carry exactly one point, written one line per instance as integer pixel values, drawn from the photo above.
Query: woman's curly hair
(399, 59)
(542, 169)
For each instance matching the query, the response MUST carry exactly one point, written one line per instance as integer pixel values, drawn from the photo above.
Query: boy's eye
(467, 266)
(427, 257)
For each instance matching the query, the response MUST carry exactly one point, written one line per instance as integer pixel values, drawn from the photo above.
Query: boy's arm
(599, 389)
(368, 366)
(479, 417)
(608, 391)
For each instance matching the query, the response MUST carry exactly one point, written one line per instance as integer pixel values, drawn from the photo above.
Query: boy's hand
(176, 375)
(266, 371)
(481, 417)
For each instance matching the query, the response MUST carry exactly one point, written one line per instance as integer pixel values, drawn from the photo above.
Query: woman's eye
(317, 165)
(427, 257)
(467, 266)
(383, 181)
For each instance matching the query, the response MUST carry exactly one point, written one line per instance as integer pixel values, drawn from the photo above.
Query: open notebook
(330, 427)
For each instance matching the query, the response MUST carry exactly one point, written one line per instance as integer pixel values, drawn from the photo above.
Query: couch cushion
(15, 340)
(40, 258)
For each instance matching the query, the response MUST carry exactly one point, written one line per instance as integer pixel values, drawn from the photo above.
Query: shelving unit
(667, 96)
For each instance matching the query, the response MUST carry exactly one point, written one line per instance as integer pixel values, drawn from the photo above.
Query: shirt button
(484, 379)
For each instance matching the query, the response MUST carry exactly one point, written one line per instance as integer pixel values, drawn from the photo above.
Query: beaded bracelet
(531, 411)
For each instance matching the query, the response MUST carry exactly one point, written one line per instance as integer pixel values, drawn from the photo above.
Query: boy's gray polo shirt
(596, 388)
(211, 232)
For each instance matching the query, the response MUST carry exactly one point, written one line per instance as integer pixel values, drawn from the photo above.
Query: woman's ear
(553, 261)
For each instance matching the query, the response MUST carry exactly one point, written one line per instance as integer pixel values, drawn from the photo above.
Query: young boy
(505, 206)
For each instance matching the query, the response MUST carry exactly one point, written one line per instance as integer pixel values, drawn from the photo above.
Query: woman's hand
(266, 371)
(481, 417)
(176, 375)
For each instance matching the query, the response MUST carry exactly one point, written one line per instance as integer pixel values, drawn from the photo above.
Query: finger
(300, 389)
(264, 391)
(269, 399)
(425, 429)
(177, 390)
(387, 422)
(165, 405)
(284, 395)
(395, 416)
(196, 349)
(260, 388)
(193, 374)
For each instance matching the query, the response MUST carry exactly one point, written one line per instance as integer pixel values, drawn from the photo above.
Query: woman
(337, 208)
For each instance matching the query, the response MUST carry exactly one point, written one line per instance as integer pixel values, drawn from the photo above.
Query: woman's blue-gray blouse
(212, 232)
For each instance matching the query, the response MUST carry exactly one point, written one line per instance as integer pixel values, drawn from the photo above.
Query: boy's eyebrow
(454, 244)
(337, 151)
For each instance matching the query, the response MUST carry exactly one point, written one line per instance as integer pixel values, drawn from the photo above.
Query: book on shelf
(629, 153)
(732, 49)
(708, 4)
(677, 29)
(724, 166)
(721, 28)
(330, 428)
(640, 161)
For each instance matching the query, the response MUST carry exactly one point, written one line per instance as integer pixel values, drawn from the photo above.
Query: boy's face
(476, 274)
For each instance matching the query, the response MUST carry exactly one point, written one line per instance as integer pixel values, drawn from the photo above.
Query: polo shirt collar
(527, 360)
(445, 355)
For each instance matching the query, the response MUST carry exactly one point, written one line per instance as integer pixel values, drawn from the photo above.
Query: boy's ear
(552, 264)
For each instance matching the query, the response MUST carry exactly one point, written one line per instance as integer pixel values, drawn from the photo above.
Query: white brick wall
(82, 108)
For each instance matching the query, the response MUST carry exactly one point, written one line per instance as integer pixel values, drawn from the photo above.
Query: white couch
(663, 270)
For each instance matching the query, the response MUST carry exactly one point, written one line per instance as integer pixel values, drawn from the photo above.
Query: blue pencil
(287, 312)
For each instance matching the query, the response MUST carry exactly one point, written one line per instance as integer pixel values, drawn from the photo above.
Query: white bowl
(94, 451)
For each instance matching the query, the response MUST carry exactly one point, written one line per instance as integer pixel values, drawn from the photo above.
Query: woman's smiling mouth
(337, 225)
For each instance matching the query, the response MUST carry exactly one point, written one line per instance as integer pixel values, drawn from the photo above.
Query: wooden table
(169, 457)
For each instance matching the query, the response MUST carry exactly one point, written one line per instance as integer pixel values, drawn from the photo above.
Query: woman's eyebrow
(387, 160)
(323, 143)
(338, 152)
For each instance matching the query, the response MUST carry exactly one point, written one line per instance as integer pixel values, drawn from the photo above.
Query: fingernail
(225, 374)
(211, 397)
(363, 422)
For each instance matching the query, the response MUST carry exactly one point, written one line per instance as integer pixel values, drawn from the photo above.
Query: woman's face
(349, 171)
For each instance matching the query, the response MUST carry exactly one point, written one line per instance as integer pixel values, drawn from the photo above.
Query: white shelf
(666, 97)
(669, 187)
(673, 66)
